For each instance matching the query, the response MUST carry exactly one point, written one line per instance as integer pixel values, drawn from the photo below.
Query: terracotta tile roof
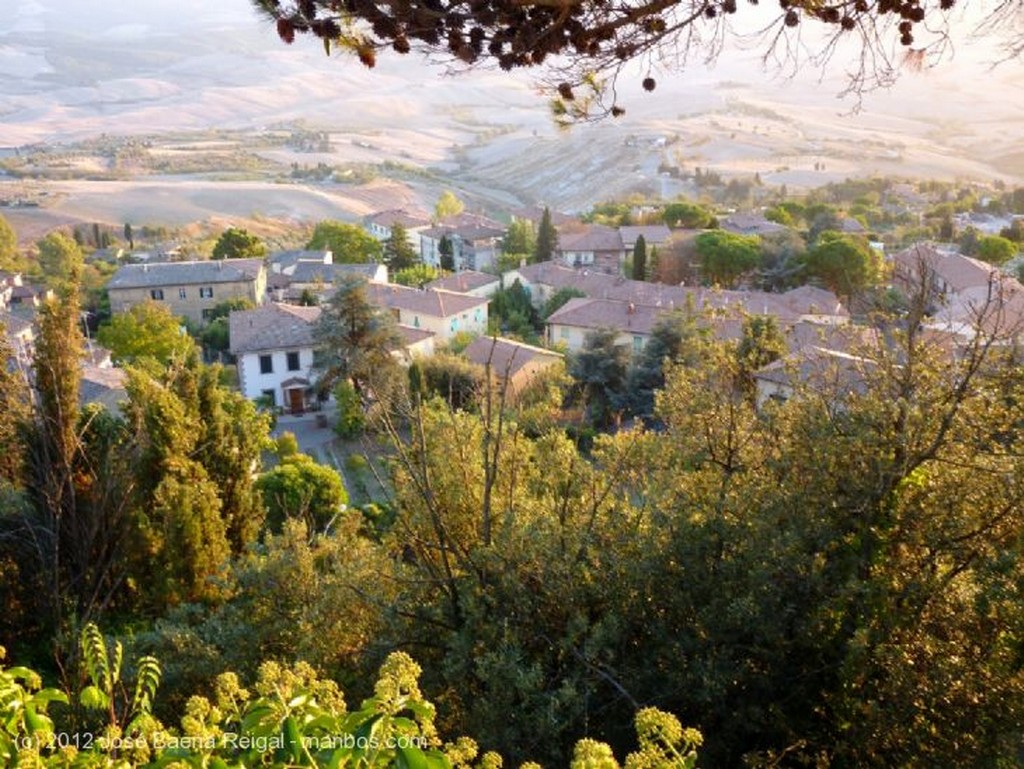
(271, 327)
(591, 237)
(957, 271)
(506, 356)
(412, 335)
(654, 234)
(460, 282)
(790, 306)
(408, 219)
(287, 259)
(750, 224)
(596, 314)
(314, 272)
(467, 227)
(103, 385)
(822, 370)
(439, 304)
(13, 325)
(536, 213)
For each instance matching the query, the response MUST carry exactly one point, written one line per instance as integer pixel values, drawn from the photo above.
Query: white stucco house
(274, 348)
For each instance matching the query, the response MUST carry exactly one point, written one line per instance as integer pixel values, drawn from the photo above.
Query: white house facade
(273, 345)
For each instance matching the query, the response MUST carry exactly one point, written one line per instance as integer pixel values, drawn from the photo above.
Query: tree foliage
(398, 252)
(558, 300)
(547, 238)
(599, 371)
(147, 330)
(349, 243)
(355, 338)
(15, 405)
(237, 243)
(725, 257)
(416, 276)
(845, 264)
(289, 717)
(8, 246)
(59, 255)
(299, 488)
(996, 250)
(448, 205)
(593, 44)
(456, 381)
(511, 313)
(520, 239)
(677, 338)
(640, 259)
(446, 253)
(690, 216)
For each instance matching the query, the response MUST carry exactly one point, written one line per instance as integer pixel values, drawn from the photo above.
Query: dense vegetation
(835, 580)
(831, 581)
(289, 718)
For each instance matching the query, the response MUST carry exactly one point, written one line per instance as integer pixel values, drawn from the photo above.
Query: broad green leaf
(93, 697)
(411, 758)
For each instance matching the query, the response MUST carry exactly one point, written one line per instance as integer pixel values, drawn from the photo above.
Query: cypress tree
(547, 238)
(640, 258)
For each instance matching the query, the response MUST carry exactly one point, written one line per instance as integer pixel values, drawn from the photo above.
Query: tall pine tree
(398, 251)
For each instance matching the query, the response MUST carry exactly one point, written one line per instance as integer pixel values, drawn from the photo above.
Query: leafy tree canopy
(558, 299)
(845, 264)
(355, 338)
(448, 205)
(8, 245)
(349, 243)
(416, 275)
(725, 257)
(687, 216)
(57, 255)
(303, 489)
(547, 238)
(236, 243)
(520, 238)
(996, 249)
(147, 330)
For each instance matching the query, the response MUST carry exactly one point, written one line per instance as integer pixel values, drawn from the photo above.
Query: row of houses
(476, 240)
(274, 347)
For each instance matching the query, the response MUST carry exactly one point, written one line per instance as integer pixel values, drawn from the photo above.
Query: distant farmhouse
(593, 246)
(189, 289)
(381, 223)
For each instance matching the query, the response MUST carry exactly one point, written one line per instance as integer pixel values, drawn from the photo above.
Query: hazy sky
(58, 56)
